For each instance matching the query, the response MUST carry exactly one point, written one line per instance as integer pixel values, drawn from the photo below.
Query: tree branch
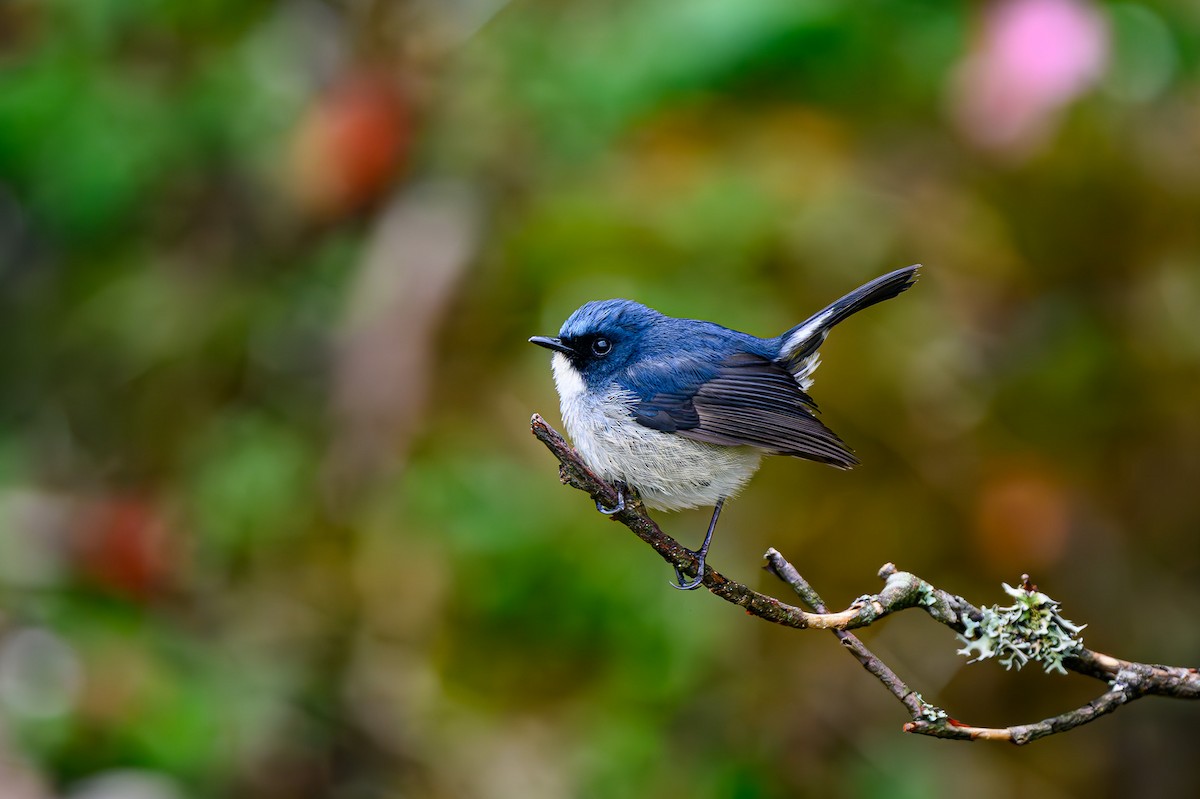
(987, 632)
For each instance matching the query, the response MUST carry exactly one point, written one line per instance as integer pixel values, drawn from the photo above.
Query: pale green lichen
(1029, 629)
(926, 594)
(930, 712)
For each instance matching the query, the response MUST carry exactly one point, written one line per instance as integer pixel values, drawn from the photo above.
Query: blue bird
(683, 410)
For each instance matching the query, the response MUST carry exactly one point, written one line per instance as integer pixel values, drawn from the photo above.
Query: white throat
(567, 380)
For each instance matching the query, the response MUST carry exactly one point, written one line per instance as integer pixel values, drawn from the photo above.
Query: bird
(683, 410)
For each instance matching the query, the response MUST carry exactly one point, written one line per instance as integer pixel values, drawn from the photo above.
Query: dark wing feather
(749, 400)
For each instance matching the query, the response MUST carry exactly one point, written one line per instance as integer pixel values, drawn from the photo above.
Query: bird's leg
(620, 502)
(680, 582)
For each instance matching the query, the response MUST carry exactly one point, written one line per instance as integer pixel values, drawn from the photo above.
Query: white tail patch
(801, 339)
(813, 327)
(809, 365)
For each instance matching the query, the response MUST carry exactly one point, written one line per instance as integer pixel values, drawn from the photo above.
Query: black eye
(601, 346)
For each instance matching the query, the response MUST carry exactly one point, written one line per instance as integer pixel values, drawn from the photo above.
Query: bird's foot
(620, 506)
(681, 581)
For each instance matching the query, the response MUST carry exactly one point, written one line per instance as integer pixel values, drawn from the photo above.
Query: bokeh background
(271, 520)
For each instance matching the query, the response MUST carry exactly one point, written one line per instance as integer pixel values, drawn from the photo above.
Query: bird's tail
(798, 352)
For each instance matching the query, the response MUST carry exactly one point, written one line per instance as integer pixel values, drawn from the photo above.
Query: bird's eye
(601, 346)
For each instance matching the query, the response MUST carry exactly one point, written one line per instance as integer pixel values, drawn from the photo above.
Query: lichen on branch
(1029, 629)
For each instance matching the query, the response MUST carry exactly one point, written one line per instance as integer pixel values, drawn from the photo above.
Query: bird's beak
(549, 343)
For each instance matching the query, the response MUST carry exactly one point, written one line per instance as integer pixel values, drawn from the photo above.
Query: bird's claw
(620, 503)
(684, 584)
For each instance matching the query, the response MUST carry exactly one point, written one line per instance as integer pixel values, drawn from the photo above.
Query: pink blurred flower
(1032, 58)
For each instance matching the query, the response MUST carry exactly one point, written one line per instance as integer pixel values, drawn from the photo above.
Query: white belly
(669, 471)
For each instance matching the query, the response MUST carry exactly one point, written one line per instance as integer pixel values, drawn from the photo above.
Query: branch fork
(1054, 642)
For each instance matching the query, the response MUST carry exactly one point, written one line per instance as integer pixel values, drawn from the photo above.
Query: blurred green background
(271, 520)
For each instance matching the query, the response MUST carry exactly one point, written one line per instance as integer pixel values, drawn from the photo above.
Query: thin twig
(787, 572)
(1127, 680)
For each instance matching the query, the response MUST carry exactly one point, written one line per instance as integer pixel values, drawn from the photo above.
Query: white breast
(669, 471)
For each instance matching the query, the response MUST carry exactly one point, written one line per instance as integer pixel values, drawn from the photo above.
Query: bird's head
(602, 337)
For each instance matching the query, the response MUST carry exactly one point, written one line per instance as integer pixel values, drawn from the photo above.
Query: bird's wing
(747, 400)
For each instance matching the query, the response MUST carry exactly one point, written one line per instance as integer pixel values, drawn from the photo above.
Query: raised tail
(798, 351)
